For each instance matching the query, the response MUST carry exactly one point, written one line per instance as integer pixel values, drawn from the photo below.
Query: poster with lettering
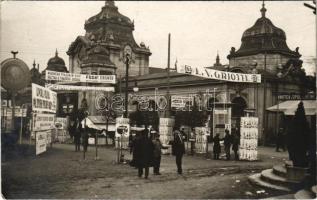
(40, 142)
(249, 138)
(43, 121)
(43, 99)
(166, 133)
(201, 139)
(122, 132)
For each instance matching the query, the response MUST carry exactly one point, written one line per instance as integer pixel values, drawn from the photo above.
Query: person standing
(216, 148)
(227, 143)
(235, 144)
(280, 143)
(143, 153)
(157, 154)
(76, 133)
(178, 149)
(192, 141)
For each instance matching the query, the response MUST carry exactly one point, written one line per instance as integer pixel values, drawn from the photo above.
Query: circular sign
(15, 74)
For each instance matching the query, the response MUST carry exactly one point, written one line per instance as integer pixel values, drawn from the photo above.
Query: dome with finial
(56, 64)
(262, 37)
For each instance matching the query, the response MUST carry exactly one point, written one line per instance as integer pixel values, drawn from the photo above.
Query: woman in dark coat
(143, 152)
(227, 143)
(235, 144)
(216, 149)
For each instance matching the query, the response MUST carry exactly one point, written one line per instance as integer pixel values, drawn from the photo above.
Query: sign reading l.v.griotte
(219, 75)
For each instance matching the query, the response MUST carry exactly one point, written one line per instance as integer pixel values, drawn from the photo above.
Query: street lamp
(135, 88)
(127, 51)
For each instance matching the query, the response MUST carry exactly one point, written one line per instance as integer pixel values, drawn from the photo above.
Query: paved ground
(62, 173)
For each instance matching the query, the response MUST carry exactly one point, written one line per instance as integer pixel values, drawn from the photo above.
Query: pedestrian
(77, 134)
(280, 142)
(178, 149)
(216, 148)
(235, 144)
(227, 143)
(157, 153)
(143, 153)
(192, 141)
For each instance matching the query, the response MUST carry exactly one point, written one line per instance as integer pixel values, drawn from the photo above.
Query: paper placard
(40, 142)
(43, 99)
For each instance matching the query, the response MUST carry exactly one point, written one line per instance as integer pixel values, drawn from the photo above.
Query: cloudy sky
(199, 29)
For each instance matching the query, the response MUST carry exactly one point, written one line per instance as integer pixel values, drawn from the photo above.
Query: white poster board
(166, 133)
(40, 142)
(123, 126)
(43, 99)
(43, 121)
(248, 138)
(201, 139)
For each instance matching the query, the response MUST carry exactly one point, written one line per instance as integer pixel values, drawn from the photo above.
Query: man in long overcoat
(178, 149)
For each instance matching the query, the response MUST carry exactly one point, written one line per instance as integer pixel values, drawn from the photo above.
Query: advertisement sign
(178, 101)
(201, 139)
(43, 121)
(43, 99)
(248, 138)
(61, 123)
(166, 133)
(84, 78)
(40, 142)
(167, 122)
(122, 132)
(219, 75)
(17, 112)
(79, 88)
(223, 112)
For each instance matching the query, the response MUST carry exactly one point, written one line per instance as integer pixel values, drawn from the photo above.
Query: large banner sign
(248, 138)
(122, 132)
(201, 139)
(84, 78)
(43, 99)
(79, 88)
(41, 142)
(43, 121)
(219, 75)
(178, 101)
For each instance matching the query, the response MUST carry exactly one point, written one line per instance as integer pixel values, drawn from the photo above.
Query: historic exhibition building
(263, 50)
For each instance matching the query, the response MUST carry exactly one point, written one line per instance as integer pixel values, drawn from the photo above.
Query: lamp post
(127, 51)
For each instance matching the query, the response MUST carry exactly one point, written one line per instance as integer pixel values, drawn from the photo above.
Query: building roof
(56, 64)
(262, 37)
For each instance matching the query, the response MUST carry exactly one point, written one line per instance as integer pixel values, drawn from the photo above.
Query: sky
(198, 29)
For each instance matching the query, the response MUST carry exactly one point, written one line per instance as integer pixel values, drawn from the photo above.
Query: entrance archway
(238, 107)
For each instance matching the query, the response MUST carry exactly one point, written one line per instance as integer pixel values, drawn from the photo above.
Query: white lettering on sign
(219, 75)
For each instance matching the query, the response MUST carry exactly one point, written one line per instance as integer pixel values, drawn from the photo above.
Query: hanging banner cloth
(79, 88)
(219, 75)
(84, 78)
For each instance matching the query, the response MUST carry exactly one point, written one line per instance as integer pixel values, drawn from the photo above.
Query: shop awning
(289, 107)
(98, 123)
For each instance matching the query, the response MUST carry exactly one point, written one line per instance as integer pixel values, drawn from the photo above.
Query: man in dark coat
(178, 149)
(280, 143)
(227, 143)
(77, 134)
(157, 154)
(143, 152)
(216, 148)
(235, 144)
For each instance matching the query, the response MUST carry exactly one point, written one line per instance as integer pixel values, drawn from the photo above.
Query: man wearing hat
(157, 153)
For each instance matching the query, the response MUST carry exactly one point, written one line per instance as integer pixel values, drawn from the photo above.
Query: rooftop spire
(34, 63)
(109, 3)
(56, 53)
(263, 9)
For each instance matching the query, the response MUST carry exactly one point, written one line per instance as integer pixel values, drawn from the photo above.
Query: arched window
(239, 104)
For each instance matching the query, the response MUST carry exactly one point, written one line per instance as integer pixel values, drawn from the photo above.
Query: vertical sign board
(41, 142)
(166, 133)
(43, 100)
(248, 138)
(201, 139)
(122, 132)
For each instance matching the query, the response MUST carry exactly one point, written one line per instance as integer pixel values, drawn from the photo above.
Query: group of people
(78, 133)
(228, 141)
(147, 151)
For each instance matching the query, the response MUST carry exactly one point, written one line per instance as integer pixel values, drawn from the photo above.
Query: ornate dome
(262, 37)
(56, 64)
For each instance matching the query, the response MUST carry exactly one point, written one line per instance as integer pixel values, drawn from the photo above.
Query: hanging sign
(84, 78)
(178, 101)
(79, 88)
(219, 75)
(43, 121)
(41, 142)
(249, 138)
(43, 99)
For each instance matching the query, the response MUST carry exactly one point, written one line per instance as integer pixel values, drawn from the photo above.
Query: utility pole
(168, 78)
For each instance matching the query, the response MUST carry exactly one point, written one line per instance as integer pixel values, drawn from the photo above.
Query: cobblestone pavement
(62, 173)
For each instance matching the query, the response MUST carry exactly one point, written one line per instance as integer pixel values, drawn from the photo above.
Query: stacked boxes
(166, 133)
(249, 138)
(201, 139)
